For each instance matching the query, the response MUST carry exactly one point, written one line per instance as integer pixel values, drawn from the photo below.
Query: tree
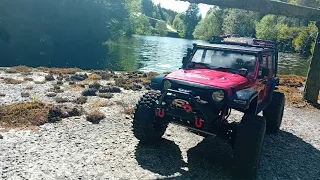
(240, 22)
(193, 16)
(266, 28)
(179, 25)
(209, 26)
(147, 7)
(142, 25)
(161, 28)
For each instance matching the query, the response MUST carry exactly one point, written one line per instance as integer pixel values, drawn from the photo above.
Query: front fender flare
(242, 99)
(157, 82)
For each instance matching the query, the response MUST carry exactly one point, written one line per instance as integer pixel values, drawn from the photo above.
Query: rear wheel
(274, 112)
(147, 127)
(248, 146)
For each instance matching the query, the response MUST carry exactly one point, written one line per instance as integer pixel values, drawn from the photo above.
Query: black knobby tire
(147, 127)
(274, 112)
(248, 146)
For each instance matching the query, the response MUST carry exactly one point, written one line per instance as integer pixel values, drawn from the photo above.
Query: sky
(181, 6)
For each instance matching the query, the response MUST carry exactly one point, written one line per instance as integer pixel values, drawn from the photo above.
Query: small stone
(2, 95)
(72, 83)
(127, 117)
(25, 94)
(56, 86)
(59, 82)
(1, 137)
(89, 92)
(49, 77)
(51, 94)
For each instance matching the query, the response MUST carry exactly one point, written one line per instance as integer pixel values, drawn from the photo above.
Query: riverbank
(74, 124)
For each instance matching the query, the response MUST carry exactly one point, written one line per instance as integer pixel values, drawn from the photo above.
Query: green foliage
(142, 25)
(239, 22)
(193, 16)
(179, 25)
(210, 26)
(305, 39)
(266, 28)
(161, 28)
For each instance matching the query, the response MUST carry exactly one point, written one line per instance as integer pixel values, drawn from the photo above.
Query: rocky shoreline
(82, 130)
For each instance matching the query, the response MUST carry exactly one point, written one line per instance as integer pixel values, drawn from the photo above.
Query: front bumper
(188, 109)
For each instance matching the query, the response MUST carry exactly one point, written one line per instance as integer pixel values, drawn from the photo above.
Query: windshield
(225, 59)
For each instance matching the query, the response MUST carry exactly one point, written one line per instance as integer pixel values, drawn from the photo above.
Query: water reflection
(161, 54)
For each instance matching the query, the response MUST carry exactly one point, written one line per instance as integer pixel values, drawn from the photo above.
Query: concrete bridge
(280, 8)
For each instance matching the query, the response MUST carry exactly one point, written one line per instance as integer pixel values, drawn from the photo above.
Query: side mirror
(264, 72)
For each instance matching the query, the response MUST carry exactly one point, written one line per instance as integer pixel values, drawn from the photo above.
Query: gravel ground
(76, 149)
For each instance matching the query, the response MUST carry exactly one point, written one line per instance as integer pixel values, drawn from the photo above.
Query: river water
(163, 54)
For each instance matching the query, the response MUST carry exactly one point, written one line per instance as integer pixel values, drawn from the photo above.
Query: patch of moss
(23, 114)
(12, 81)
(62, 100)
(101, 104)
(60, 70)
(105, 95)
(94, 77)
(18, 69)
(28, 79)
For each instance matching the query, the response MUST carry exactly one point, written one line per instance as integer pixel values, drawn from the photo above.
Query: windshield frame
(236, 51)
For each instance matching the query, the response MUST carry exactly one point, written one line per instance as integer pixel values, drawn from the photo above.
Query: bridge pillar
(312, 87)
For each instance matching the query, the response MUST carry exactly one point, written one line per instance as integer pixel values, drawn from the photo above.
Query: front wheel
(274, 112)
(147, 127)
(248, 146)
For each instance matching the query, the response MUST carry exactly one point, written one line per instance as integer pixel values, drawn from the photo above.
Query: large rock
(110, 89)
(79, 77)
(89, 92)
(56, 113)
(95, 117)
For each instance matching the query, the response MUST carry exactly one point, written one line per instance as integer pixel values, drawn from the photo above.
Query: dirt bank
(75, 148)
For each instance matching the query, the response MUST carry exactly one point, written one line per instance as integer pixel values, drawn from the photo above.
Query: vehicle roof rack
(242, 41)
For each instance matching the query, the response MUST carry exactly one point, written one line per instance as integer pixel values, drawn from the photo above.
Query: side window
(264, 61)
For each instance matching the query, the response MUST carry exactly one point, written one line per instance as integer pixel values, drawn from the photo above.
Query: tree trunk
(312, 87)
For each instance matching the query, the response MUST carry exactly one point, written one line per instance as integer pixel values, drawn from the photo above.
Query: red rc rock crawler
(230, 73)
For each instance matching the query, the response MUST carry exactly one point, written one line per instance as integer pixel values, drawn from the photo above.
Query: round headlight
(166, 85)
(218, 95)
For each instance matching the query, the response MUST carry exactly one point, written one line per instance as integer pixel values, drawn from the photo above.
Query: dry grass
(60, 70)
(23, 114)
(289, 85)
(18, 69)
(94, 77)
(129, 111)
(12, 81)
(102, 104)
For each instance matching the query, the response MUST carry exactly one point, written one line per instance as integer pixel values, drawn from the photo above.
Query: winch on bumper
(188, 109)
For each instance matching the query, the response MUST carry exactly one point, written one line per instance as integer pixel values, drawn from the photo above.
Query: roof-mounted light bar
(242, 41)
